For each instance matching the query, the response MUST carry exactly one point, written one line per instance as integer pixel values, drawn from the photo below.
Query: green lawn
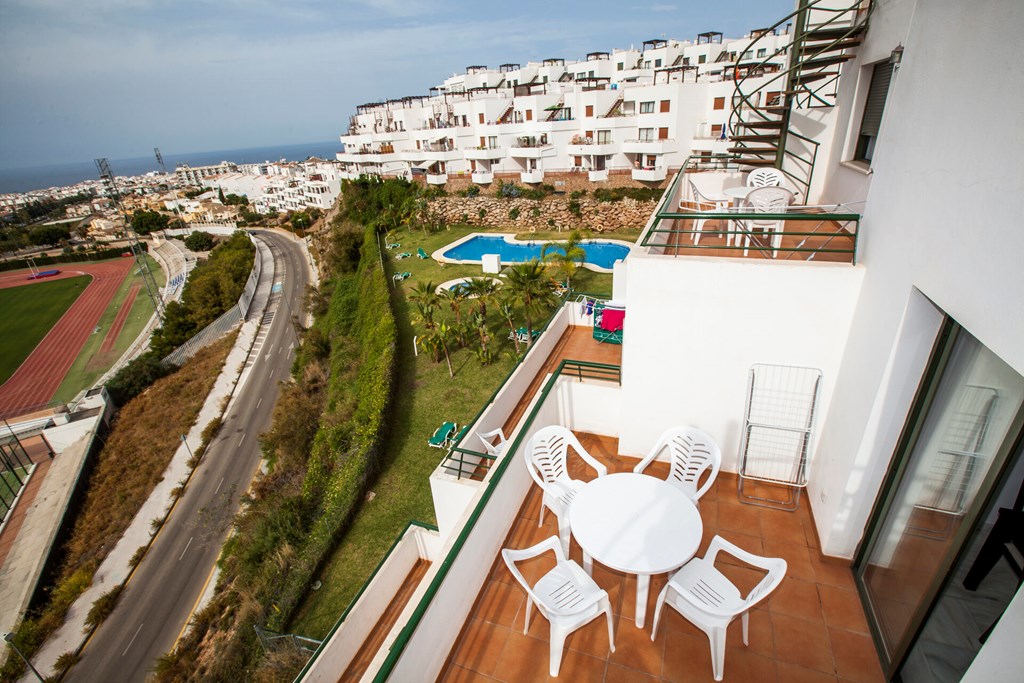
(90, 363)
(28, 313)
(425, 398)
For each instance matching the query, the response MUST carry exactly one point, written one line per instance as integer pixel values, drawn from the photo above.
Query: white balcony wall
(343, 643)
(695, 325)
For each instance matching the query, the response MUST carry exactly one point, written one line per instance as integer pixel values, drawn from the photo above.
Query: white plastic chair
(710, 601)
(566, 596)
(692, 452)
(704, 203)
(494, 441)
(765, 200)
(546, 459)
(765, 177)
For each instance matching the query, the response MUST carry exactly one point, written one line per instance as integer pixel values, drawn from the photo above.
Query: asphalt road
(159, 599)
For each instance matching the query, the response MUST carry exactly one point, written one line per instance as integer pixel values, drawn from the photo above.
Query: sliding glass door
(957, 441)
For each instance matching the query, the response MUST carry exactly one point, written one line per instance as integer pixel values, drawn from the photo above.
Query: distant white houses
(277, 187)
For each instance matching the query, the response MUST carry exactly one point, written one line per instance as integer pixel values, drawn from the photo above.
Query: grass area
(122, 479)
(90, 363)
(29, 312)
(425, 398)
(9, 486)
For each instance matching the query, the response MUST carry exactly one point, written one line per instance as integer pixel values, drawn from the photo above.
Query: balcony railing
(828, 231)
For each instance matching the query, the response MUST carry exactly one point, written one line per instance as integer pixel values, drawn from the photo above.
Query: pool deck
(439, 254)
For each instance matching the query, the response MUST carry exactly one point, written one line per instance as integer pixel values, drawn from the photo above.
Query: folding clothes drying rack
(779, 415)
(608, 322)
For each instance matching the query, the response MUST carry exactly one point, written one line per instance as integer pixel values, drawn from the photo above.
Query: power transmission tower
(174, 189)
(103, 166)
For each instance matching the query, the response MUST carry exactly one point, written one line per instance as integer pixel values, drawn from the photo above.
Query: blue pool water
(601, 254)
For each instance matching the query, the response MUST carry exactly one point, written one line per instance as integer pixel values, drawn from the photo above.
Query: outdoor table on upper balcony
(636, 524)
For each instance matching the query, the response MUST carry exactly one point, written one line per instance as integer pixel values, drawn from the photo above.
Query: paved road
(159, 599)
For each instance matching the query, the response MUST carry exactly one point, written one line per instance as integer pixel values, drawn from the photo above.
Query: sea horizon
(47, 176)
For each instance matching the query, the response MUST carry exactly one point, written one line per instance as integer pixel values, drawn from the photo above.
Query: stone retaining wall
(546, 214)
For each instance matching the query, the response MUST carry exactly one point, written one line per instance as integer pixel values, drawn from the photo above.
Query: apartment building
(277, 187)
(896, 279)
(194, 175)
(638, 112)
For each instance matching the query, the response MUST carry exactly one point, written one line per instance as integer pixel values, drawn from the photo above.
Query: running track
(37, 380)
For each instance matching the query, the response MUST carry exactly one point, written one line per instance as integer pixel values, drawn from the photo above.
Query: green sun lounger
(442, 435)
(422, 254)
(403, 255)
(394, 245)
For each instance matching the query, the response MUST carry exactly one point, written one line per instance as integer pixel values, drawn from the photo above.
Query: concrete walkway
(116, 569)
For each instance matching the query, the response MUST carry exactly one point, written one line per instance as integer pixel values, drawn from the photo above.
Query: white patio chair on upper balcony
(710, 601)
(566, 596)
(765, 177)
(494, 441)
(704, 203)
(692, 452)
(765, 200)
(547, 454)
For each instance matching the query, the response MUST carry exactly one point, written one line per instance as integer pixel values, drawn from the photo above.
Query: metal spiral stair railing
(822, 39)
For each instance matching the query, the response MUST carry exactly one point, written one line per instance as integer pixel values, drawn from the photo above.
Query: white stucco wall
(695, 325)
(938, 221)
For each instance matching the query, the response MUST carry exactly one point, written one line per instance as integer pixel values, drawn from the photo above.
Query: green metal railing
(499, 471)
(359, 593)
(834, 228)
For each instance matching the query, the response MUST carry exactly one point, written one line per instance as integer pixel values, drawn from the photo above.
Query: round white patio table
(636, 524)
(738, 194)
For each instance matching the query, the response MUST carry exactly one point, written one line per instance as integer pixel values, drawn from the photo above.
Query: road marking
(221, 483)
(240, 441)
(259, 402)
(271, 348)
(271, 375)
(186, 548)
(133, 639)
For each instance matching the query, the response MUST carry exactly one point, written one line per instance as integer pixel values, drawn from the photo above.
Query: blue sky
(116, 78)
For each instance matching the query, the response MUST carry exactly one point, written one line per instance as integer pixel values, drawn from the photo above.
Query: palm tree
(437, 339)
(566, 256)
(507, 310)
(482, 289)
(424, 295)
(530, 287)
(454, 297)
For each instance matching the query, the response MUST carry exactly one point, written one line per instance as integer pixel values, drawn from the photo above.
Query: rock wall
(551, 213)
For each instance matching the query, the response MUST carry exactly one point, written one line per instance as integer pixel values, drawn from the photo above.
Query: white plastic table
(636, 524)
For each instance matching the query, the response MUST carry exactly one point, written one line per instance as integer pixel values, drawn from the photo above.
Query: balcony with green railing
(697, 216)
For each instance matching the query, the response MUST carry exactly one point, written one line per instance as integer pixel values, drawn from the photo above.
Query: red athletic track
(37, 380)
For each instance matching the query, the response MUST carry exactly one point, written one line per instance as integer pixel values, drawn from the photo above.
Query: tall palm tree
(566, 256)
(482, 289)
(455, 298)
(506, 308)
(424, 296)
(531, 289)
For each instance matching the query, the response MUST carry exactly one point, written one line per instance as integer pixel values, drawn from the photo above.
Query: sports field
(28, 314)
(122, 321)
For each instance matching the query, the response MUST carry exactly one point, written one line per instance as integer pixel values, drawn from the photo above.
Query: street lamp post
(191, 455)
(9, 637)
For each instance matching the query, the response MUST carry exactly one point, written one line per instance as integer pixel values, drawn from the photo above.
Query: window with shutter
(874, 106)
(590, 110)
(664, 106)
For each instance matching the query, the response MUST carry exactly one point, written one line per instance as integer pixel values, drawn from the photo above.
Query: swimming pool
(601, 254)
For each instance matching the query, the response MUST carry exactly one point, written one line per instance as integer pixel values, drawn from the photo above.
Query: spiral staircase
(825, 35)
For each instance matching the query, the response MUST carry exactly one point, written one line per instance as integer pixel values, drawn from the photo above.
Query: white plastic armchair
(494, 441)
(566, 596)
(692, 452)
(547, 454)
(765, 177)
(704, 203)
(710, 601)
(766, 200)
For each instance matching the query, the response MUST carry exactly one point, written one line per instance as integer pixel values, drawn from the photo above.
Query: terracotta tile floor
(812, 628)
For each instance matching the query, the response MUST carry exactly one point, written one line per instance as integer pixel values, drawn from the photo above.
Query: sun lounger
(398, 277)
(422, 254)
(394, 245)
(403, 255)
(442, 435)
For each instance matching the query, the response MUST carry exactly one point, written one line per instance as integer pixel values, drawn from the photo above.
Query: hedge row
(72, 257)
